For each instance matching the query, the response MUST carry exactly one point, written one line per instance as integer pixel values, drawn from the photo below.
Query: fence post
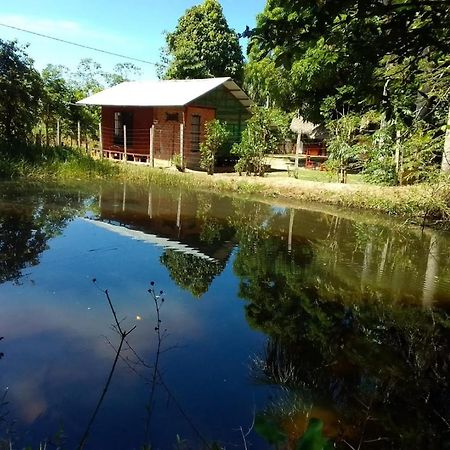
(182, 145)
(152, 146)
(298, 149)
(125, 143)
(100, 138)
(58, 139)
(78, 134)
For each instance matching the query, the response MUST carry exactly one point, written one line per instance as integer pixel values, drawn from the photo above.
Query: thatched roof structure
(309, 129)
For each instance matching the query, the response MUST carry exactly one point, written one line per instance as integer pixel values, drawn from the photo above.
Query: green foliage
(265, 82)
(216, 135)
(122, 72)
(265, 130)
(269, 430)
(343, 146)
(20, 93)
(191, 272)
(202, 46)
(313, 438)
(41, 162)
(339, 61)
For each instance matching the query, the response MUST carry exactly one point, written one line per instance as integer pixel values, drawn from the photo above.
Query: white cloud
(63, 29)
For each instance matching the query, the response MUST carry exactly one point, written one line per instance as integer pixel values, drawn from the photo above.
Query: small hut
(310, 141)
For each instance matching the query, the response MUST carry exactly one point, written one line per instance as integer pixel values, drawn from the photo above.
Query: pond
(146, 316)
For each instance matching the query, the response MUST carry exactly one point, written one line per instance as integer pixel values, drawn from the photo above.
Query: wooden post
(79, 134)
(58, 138)
(152, 146)
(182, 145)
(124, 143)
(100, 138)
(298, 149)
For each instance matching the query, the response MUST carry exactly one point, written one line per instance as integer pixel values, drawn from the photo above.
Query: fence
(162, 144)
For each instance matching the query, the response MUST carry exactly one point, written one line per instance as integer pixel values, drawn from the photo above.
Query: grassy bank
(51, 163)
(421, 204)
(427, 204)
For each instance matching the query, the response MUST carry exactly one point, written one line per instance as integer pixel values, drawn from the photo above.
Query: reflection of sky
(57, 356)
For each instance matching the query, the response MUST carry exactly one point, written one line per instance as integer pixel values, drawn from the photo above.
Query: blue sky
(133, 28)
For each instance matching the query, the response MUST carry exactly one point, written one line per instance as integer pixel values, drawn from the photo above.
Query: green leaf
(313, 439)
(269, 430)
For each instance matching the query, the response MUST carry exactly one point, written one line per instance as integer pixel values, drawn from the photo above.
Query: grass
(51, 163)
(323, 176)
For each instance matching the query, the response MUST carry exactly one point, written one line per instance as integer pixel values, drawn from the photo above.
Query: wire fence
(168, 142)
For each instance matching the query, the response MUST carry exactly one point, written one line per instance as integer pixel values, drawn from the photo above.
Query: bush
(216, 135)
(264, 132)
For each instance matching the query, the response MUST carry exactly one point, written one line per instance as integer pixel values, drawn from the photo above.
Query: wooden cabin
(148, 121)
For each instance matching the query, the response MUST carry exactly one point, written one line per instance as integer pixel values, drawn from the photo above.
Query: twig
(123, 336)
(243, 438)
(158, 305)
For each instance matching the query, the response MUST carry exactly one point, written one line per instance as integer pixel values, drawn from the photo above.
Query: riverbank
(423, 204)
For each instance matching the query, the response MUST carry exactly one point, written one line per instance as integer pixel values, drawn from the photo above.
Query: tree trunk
(445, 167)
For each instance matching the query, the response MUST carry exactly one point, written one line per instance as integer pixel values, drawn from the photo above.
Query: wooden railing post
(124, 143)
(100, 138)
(182, 145)
(152, 146)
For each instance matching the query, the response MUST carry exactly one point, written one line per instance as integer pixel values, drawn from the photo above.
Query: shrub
(264, 132)
(216, 135)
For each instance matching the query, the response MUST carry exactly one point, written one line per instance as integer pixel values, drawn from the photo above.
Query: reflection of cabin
(168, 221)
(148, 121)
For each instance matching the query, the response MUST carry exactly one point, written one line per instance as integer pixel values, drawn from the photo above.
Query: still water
(272, 316)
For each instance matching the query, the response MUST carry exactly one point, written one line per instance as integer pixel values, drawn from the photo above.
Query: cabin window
(172, 117)
(195, 133)
(122, 118)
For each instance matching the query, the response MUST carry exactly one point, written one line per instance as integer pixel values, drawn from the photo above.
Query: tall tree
(56, 96)
(354, 56)
(203, 45)
(20, 93)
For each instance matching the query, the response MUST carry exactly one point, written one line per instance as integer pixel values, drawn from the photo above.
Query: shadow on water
(354, 315)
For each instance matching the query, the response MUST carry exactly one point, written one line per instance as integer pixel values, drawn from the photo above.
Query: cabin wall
(228, 109)
(138, 138)
(190, 136)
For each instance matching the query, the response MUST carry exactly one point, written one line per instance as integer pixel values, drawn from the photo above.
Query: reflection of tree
(28, 224)
(190, 272)
(211, 227)
(375, 367)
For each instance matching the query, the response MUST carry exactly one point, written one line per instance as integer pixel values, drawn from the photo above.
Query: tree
(203, 45)
(266, 83)
(122, 72)
(262, 135)
(56, 96)
(355, 56)
(20, 93)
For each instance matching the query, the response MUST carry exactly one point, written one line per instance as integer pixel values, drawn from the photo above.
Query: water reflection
(348, 319)
(28, 221)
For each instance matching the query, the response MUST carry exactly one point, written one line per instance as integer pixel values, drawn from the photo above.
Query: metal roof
(163, 93)
(150, 239)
